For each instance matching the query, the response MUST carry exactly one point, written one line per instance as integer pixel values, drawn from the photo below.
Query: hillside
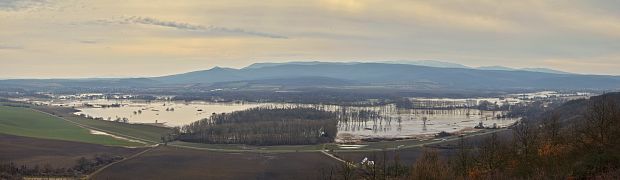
(575, 110)
(26, 122)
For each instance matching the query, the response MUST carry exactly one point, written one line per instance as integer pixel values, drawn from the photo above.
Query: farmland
(146, 133)
(260, 162)
(57, 153)
(27, 122)
(403, 158)
(178, 163)
(408, 156)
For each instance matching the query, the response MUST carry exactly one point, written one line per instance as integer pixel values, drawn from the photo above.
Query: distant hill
(351, 75)
(262, 65)
(77, 83)
(401, 74)
(545, 70)
(428, 63)
(496, 68)
(502, 68)
(285, 82)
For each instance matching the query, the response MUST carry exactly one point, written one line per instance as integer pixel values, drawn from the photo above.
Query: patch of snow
(95, 132)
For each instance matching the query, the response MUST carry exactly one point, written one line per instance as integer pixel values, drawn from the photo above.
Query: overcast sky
(137, 38)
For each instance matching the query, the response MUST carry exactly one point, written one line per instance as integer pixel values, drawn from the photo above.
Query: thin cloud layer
(193, 27)
(9, 47)
(15, 5)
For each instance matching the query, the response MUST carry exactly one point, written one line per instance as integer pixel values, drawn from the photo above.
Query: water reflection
(170, 113)
(409, 122)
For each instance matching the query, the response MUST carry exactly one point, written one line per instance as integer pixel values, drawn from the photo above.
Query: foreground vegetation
(264, 126)
(27, 122)
(579, 139)
(36, 157)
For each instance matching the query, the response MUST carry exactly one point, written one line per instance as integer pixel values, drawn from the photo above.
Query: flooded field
(391, 122)
(169, 113)
(355, 123)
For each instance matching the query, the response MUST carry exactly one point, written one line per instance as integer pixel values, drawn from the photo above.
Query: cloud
(345, 5)
(589, 22)
(194, 27)
(10, 47)
(435, 13)
(89, 41)
(14, 5)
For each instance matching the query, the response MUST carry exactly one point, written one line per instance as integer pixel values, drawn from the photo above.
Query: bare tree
(551, 128)
(600, 129)
(492, 156)
(526, 140)
(462, 158)
(430, 166)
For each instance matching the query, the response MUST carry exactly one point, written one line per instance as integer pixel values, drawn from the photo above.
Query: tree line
(264, 126)
(83, 166)
(406, 103)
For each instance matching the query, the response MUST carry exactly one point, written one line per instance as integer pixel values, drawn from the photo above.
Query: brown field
(178, 163)
(57, 153)
(405, 156)
(409, 156)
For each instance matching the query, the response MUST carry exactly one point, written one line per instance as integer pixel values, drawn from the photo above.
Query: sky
(142, 38)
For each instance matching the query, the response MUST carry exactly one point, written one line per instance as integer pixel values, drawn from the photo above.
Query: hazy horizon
(137, 38)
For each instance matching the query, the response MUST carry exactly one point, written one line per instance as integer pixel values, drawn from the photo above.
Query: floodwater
(355, 122)
(391, 122)
(170, 113)
(95, 132)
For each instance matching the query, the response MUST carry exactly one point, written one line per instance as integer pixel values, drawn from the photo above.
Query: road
(125, 159)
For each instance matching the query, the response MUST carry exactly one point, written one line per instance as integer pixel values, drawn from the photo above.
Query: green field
(30, 123)
(146, 133)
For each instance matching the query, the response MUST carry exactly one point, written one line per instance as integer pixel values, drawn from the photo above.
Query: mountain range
(392, 74)
(428, 63)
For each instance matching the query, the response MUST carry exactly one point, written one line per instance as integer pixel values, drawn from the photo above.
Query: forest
(264, 126)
